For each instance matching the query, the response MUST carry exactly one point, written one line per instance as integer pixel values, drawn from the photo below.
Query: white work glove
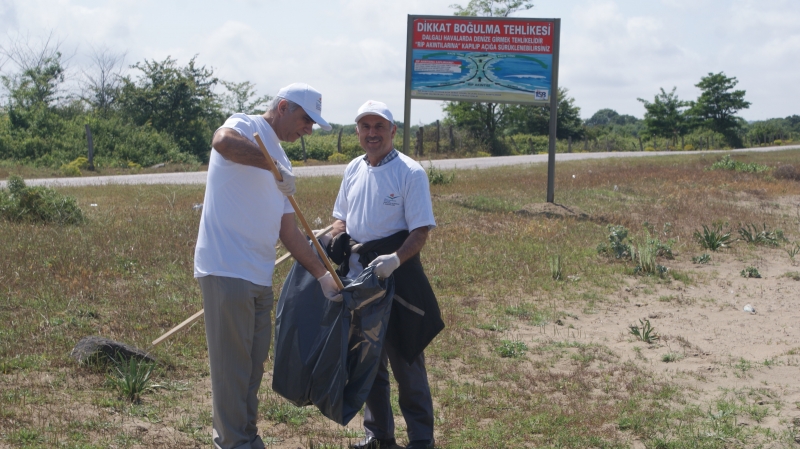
(329, 287)
(324, 239)
(385, 265)
(287, 185)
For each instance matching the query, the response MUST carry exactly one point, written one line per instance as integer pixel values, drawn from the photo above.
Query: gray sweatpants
(238, 330)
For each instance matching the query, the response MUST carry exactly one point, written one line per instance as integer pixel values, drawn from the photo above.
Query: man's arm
(296, 243)
(413, 244)
(386, 264)
(237, 148)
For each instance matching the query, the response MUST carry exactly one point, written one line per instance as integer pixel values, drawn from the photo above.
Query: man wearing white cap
(245, 212)
(384, 210)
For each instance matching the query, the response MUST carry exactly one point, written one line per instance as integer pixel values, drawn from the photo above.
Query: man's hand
(329, 287)
(385, 265)
(324, 239)
(287, 185)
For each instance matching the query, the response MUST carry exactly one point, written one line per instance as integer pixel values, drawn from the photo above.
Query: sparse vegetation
(750, 272)
(644, 331)
(126, 273)
(702, 259)
(512, 349)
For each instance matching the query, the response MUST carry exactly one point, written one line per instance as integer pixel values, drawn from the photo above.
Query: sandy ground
(719, 346)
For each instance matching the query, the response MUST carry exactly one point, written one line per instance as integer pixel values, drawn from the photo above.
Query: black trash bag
(327, 353)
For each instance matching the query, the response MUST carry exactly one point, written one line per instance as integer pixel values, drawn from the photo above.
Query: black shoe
(420, 444)
(375, 443)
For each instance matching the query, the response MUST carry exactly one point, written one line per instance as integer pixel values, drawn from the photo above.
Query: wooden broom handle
(197, 315)
(324, 255)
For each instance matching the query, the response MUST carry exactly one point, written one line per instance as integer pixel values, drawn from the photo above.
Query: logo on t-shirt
(391, 200)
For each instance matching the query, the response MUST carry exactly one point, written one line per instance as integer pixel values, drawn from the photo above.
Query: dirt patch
(552, 210)
(708, 342)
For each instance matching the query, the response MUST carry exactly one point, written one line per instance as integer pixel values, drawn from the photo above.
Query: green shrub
(339, 158)
(616, 246)
(648, 148)
(439, 177)
(37, 204)
(688, 147)
(726, 163)
(750, 272)
(74, 168)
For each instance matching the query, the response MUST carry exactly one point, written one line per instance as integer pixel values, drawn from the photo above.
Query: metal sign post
(484, 60)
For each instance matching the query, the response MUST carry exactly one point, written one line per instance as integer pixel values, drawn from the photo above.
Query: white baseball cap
(373, 107)
(308, 98)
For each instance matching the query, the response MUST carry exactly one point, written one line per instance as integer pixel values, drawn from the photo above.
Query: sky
(612, 51)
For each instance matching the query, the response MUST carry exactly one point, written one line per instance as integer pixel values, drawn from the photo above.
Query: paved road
(338, 170)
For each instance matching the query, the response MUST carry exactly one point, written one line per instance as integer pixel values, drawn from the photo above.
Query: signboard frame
(553, 94)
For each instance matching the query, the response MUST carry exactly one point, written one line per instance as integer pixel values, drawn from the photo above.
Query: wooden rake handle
(324, 255)
(197, 315)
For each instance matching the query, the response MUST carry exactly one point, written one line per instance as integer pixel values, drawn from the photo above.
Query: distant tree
(607, 117)
(492, 8)
(665, 117)
(527, 119)
(603, 117)
(103, 82)
(36, 88)
(718, 104)
(176, 100)
(483, 120)
(239, 98)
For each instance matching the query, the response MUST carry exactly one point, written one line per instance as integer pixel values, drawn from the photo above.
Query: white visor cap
(308, 98)
(373, 107)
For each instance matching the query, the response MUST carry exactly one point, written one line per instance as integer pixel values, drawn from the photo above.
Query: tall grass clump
(713, 239)
(39, 204)
(131, 378)
(439, 177)
(750, 233)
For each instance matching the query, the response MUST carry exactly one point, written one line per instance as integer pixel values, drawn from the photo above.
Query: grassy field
(507, 371)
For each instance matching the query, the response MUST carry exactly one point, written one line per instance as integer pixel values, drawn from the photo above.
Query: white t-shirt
(242, 211)
(376, 202)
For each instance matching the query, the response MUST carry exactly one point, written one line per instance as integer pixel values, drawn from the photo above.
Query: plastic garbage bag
(327, 353)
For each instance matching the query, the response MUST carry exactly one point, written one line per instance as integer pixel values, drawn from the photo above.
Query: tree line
(710, 121)
(143, 114)
(155, 112)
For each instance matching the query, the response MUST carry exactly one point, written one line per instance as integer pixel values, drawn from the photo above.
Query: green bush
(726, 163)
(616, 246)
(37, 204)
(339, 158)
(649, 148)
(74, 168)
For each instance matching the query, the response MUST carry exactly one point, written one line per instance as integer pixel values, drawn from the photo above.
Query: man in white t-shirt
(384, 203)
(245, 212)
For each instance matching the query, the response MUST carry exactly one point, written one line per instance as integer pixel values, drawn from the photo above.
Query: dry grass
(127, 275)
